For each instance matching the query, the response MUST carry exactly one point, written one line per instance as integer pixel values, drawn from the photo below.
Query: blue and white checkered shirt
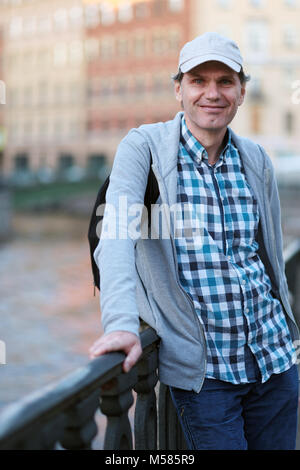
(221, 270)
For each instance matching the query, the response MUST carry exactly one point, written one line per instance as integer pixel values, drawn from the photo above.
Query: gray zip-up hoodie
(139, 277)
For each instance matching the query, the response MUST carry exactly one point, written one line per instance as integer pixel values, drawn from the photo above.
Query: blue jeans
(226, 416)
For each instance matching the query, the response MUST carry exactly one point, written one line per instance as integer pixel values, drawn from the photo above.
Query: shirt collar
(196, 150)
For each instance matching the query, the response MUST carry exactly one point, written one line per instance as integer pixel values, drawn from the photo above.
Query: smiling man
(221, 306)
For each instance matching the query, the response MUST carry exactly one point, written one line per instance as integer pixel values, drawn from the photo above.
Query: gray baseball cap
(210, 46)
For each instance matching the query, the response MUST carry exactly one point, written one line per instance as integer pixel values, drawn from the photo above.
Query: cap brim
(190, 64)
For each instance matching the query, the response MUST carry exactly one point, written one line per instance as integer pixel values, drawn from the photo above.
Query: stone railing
(62, 415)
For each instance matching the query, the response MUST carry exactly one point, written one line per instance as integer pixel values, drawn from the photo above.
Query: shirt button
(243, 282)
(226, 227)
(247, 310)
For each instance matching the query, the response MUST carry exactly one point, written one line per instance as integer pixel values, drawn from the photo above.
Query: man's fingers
(132, 357)
(104, 345)
(118, 341)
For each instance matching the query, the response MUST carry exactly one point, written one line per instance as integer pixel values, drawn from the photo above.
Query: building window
(91, 14)
(255, 89)
(140, 85)
(107, 14)
(290, 36)
(256, 3)
(257, 38)
(65, 161)
(16, 26)
(289, 122)
(159, 43)
(141, 10)
(158, 7)
(91, 49)
(158, 84)
(174, 40)
(43, 128)
(21, 162)
(107, 48)
(60, 54)
(42, 93)
(176, 5)
(30, 26)
(44, 25)
(28, 96)
(43, 58)
(226, 4)
(125, 13)
(105, 90)
(61, 20)
(96, 162)
(122, 47)
(139, 45)
(122, 86)
(75, 15)
(76, 52)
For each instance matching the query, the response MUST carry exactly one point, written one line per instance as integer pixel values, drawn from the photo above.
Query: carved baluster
(81, 427)
(145, 418)
(116, 399)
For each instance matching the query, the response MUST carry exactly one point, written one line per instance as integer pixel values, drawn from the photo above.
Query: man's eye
(198, 80)
(226, 81)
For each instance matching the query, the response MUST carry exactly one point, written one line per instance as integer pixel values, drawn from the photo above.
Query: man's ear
(177, 89)
(242, 97)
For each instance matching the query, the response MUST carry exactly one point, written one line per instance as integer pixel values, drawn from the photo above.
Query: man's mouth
(212, 109)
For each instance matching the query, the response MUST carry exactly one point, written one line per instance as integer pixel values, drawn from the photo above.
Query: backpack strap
(151, 196)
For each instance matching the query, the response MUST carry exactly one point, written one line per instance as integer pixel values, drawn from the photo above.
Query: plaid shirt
(221, 270)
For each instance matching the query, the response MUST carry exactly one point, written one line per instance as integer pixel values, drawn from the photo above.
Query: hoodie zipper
(161, 184)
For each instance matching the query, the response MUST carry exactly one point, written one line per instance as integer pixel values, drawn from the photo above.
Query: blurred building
(45, 75)
(132, 53)
(80, 73)
(268, 34)
(2, 99)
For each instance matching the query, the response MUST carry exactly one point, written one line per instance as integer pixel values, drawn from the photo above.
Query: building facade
(2, 100)
(132, 55)
(45, 75)
(80, 73)
(268, 34)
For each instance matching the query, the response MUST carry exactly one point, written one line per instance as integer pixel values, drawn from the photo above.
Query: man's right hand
(124, 341)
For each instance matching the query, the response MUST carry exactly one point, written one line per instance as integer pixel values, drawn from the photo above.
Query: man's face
(210, 94)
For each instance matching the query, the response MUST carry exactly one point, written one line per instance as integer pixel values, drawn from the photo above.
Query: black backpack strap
(152, 190)
(151, 196)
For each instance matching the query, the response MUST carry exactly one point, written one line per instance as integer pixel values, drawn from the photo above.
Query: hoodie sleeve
(115, 253)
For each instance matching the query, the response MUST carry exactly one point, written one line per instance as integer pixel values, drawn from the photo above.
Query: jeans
(252, 416)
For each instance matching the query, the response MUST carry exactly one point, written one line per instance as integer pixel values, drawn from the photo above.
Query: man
(217, 296)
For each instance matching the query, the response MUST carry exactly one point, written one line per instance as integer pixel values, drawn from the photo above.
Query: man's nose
(212, 91)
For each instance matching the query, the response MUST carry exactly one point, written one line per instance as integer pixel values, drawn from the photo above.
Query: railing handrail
(76, 385)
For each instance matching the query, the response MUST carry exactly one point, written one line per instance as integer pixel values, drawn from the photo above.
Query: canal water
(49, 316)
